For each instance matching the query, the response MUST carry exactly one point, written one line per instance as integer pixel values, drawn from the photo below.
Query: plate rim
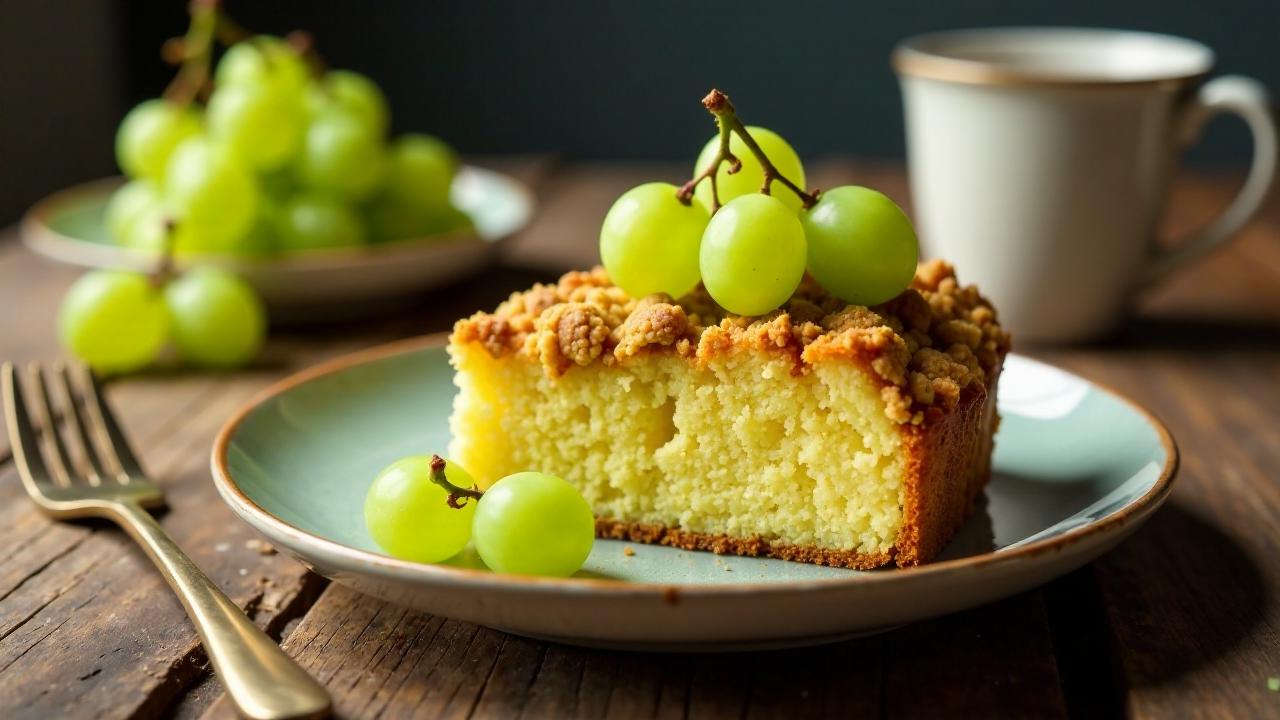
(249, 511)
(38, 235)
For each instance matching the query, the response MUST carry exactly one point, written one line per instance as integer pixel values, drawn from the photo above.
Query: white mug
(1040, 162)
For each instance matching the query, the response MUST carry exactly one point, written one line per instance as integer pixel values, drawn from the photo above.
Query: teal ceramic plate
(1077, 468)
(68, 226)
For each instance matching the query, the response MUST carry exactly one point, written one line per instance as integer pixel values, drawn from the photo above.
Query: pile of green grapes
(117, 321)
(426, 509)
(749, 241)
(281, 158)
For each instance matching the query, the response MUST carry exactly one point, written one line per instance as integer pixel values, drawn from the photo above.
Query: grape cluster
(280, 159)
(118, 321)
(531, 523)
(751, 252)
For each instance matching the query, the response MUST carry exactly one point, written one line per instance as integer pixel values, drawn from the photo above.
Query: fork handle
(263, 682)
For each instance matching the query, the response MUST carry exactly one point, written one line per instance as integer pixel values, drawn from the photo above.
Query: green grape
(217, 320)
(261, 126)
(649, 241)
(351, 93)
(263, 60)
(861, 246)
(312, 220)
(213, 197)
(390, 220)
(420, 170)
(753, 254)
(114, 321)
(532, 523)
(155, 231)
(751, 176)
(150, 231)
(341, 155)
(132, 201)
(148, 135)
(408, 515)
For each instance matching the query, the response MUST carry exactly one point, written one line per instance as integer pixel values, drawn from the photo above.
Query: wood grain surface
(1182, 620)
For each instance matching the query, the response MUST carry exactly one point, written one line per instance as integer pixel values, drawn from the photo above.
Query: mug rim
(919, 56)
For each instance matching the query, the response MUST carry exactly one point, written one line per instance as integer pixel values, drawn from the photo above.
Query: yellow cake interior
(738, 446)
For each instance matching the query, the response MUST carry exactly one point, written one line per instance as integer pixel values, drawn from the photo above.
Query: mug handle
(1247, 98)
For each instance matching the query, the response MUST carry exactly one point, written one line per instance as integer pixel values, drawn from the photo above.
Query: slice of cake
(822, 432)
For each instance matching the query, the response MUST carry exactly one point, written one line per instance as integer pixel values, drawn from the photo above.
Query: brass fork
(88, 470)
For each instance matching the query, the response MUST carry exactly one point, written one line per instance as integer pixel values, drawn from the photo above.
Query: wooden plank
(380, 660)
(994, 661)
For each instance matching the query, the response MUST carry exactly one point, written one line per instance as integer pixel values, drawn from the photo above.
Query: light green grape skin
(751, 176)
(127, 204)
(263, 60)
(861, 246)
(341, 155)
(753, 255)
(533, 523)
(148, 135)
(150, 232)
(420, 170)
(312, 221)
(211, 195)
(352, 93)
(408, 515)
(261, 126)
(217, 319)
(114, 321)
(649, 241)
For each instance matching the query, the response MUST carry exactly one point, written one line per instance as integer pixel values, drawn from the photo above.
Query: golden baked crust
(748, 547)
(931, 346)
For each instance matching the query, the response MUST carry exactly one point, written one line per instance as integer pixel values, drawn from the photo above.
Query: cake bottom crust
(750, 547)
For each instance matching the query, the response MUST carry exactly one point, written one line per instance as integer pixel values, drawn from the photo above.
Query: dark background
(587, 79)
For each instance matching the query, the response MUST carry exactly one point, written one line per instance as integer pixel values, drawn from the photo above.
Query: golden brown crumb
(655, 323)
(628, 551)
(572, 332)
(261, 546)
(928, 346)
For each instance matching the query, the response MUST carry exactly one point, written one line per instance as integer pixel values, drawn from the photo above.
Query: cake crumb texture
(738, 446)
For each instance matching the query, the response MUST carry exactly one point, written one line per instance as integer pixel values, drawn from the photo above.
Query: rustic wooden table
(1181, 620)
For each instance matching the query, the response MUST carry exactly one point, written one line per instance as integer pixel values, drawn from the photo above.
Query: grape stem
(193, 52)
(457, 495)
(165, 268)
(717, 103)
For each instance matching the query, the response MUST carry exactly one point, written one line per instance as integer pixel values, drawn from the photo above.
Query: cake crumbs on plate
(261, 546)
(628, 551)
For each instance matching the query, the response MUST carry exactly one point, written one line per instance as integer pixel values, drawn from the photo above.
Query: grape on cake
(822, 432)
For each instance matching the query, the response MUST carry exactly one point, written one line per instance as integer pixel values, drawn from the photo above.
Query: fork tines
(89, 448)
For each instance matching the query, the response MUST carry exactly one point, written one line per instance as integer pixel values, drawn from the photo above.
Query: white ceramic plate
(1077, 468)
(68, 226)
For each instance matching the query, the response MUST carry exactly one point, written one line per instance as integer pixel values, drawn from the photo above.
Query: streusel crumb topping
(928, 346)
